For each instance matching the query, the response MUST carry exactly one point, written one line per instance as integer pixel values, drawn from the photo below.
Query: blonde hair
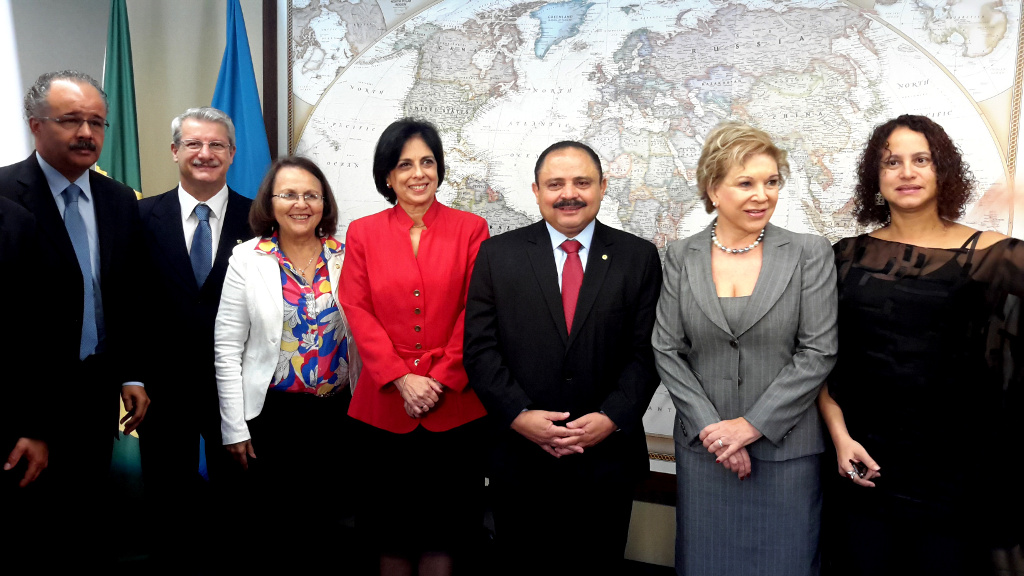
(729, 144)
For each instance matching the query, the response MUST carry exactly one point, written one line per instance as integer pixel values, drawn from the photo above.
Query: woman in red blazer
(403, 288)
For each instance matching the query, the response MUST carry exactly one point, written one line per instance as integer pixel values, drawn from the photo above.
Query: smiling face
(746, 199)
(907, 176)
(203, 172)
(69, 147)
(298, 220)
(414, 178)
(569, 190)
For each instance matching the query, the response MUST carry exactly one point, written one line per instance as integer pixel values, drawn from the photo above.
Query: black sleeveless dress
(928, 377)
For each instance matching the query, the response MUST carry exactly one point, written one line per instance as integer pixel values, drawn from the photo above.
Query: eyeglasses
(216, 146)
(75, 123)
(293, 197)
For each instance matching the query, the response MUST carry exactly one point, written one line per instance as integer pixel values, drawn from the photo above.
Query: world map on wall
(643, 82)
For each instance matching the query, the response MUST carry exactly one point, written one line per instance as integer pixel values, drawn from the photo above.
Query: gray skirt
(766, 525)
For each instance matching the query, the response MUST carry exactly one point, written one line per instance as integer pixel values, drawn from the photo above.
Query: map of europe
(643, 82)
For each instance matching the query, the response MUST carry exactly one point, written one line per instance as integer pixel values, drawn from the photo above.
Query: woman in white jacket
(284, 358)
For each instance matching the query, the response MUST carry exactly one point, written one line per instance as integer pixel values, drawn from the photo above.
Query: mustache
(83, 145)
(570, 203)
(212, 164)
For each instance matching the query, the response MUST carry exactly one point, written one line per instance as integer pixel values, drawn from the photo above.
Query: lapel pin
(238, 241)
(604, 256)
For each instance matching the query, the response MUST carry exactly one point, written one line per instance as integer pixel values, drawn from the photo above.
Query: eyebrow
(774, 175)
(893, 154)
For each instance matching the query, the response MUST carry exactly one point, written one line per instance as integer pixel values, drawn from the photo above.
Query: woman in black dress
(926, 386)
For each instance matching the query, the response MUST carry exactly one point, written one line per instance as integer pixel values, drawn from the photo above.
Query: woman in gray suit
(745, 336)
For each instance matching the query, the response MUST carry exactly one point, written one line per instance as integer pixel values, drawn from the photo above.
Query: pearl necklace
(714, 240)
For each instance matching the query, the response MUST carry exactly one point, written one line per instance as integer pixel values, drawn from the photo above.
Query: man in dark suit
(190, 232)
(558, 347)
(86, 347)
(22, 433)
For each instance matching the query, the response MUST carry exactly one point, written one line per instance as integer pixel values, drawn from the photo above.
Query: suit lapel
(779, 258)
(235, 226)
(702, 284)
(598, 261)
(35, 195)
(270, 272)
(107, 220)
(170, 238)
(542, 259)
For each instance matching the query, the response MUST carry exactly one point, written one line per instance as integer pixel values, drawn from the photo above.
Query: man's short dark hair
(567, 144)
(389, 150)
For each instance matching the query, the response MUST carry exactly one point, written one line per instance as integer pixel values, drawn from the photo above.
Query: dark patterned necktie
(201, 253)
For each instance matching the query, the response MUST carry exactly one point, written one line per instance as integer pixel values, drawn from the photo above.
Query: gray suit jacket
(769, 369)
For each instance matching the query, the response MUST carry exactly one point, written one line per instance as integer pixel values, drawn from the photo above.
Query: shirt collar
(405, 221)
(269, 245)
(585, 237)
(218, 203)
(58, 182)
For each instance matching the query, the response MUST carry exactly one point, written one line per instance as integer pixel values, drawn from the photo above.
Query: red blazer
(407, 313)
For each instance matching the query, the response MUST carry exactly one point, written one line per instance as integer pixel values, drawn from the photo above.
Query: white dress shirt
(189, 221)
(585, 237)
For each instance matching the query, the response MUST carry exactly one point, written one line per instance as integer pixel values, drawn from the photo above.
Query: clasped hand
(420, 394)
(849, 454)
(728, 440)
(539, 427)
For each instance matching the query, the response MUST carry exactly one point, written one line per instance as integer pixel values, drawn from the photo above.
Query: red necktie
(572, 279)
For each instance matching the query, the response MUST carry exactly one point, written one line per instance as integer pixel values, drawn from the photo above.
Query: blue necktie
(202, 245)
(80, 240)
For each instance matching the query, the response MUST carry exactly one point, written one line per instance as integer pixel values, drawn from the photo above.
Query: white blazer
(247, 335)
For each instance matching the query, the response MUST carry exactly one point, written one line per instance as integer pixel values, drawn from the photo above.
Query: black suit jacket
(519, 355)
(122, 279)
(187, 312)
(18, 258)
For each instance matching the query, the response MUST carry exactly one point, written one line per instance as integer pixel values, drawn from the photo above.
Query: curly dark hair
(953, 178)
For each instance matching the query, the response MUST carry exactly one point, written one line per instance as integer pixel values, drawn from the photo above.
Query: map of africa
(643, 82)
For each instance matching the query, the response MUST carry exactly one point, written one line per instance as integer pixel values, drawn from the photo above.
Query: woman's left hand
(739, 463)
(420, 393)
(725, 438)
(414, 411)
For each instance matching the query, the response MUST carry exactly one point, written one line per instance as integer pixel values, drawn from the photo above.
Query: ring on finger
(852, 474)
(720, 445)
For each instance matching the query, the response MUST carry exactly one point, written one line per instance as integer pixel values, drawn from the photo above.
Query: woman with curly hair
(928, 368)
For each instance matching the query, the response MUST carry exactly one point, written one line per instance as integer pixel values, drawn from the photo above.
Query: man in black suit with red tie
(190, 232)
(558, 347)
(85, 345)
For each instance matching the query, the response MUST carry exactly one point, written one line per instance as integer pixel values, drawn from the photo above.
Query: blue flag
(236, 95)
